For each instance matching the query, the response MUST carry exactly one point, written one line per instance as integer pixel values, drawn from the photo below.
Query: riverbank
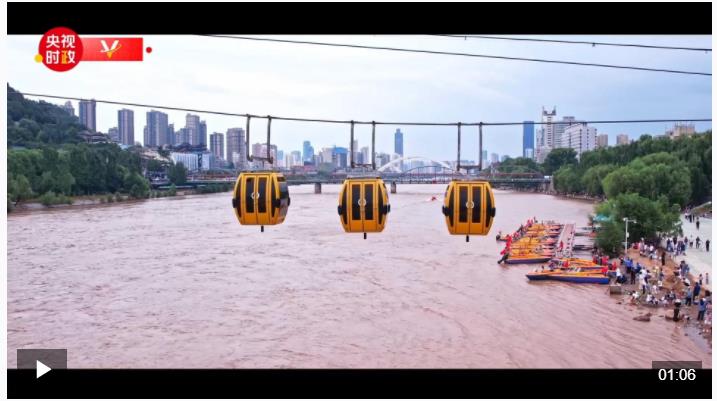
(688, 314)
(106, 199)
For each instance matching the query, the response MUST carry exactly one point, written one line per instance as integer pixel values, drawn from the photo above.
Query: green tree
(592, 178)
(652, 176)
(136, 185)
(654, 218)
(558, 158)
(19, 189)
(177, 174)
(567, 180)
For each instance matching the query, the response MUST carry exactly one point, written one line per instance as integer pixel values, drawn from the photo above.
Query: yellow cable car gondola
(469, 207)
(363, 205)
(261, 198)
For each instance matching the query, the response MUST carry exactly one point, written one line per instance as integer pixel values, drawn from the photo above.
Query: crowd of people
(650, 289)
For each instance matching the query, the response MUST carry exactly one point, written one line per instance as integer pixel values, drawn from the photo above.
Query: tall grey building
(236, 147)
(398, 142)
(181, 137)
(308, 152)
(88, 114)
(203, 133)
(194, 130)
(171, 140)
(216, 144)
(156, 132)
(125, 124)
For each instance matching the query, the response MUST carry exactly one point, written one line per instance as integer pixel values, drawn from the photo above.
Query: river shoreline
(699, 332)
(87, 201)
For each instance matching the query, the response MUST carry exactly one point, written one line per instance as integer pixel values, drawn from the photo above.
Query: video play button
(41, 369)
(41, 360)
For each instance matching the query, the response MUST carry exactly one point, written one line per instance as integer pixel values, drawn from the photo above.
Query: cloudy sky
(313, 81)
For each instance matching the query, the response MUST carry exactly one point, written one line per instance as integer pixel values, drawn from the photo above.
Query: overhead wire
(445, 53)
(576, 42)
(357, 122)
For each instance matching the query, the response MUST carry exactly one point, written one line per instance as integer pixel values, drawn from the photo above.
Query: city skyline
(275, 79)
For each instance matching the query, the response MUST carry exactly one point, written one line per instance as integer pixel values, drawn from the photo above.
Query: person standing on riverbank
(707, 245)
(676, 316)
(697, 222)
(701, 310)
(663, 258)
(688, 296)
(696, 292)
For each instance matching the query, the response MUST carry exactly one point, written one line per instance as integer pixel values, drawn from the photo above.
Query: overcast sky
(313, 81)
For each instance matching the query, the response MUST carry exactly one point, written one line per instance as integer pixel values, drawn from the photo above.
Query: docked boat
(515, 260)
(572, 276)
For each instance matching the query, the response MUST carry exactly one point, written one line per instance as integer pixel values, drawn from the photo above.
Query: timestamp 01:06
(669, 374)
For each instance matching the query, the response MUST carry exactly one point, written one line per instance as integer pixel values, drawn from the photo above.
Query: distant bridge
(435, 173)
(395, 165)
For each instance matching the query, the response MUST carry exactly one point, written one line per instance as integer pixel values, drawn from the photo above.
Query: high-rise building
(559, 129)
(484, 156)
(601, 141)
(88, 114)
(156, 129)
(125, 124)
(294, 159)
(308, 154)
(546, 135)
(622, 139)
(113, 133)
(528, 138)
(216, 144)
(203, 133)
(181, 137)
(504, 158)
(579, 137)
(327, 155)
(260, 150)
(398, 142)
(236, 145)
(341, 157)
(194, 129)
(171, 136)
(494, 158)
(365, 155)
(68, 108)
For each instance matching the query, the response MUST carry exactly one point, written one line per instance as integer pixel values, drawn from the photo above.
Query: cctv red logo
(61, 49)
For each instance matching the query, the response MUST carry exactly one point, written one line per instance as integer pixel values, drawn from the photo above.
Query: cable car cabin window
(270, 198)
(477, 202)
(262, 195)
(283, 189)
(380, 206)
(345, 205)
(488, 207)
(355, 197)
(450, 207)
(368, 196)
(462, 204)
(248, 192)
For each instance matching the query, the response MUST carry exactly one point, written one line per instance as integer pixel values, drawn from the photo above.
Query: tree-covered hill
(32, 124)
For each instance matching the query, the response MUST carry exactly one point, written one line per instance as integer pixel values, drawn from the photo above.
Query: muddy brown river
(178, 283)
